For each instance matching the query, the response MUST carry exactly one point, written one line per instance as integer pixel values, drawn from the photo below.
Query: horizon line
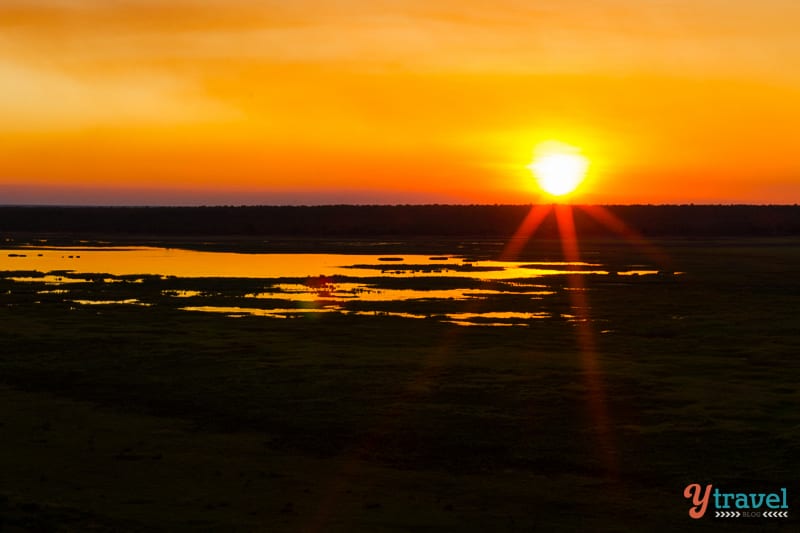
(426, 204)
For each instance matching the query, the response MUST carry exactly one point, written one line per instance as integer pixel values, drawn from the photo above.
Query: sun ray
(525, 231)
(595, 389)
(615, 224)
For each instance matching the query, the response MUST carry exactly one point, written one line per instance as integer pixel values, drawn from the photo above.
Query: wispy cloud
(497, 36)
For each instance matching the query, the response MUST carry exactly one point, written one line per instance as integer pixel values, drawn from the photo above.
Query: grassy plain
(133, 418)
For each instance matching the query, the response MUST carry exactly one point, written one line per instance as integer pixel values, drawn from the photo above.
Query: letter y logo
(700, 503)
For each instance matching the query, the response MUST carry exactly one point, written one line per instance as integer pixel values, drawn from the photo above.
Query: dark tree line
(401, 220)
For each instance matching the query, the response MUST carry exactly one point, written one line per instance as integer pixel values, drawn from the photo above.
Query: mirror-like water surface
(129, 301)
(289, 285)
(193, 264)
(356, 291)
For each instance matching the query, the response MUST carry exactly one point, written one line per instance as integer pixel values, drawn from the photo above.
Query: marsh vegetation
(386, 413)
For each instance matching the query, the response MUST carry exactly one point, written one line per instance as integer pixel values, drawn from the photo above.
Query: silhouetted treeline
(402, 220)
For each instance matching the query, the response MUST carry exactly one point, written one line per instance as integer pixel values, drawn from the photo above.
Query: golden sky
(389, 101)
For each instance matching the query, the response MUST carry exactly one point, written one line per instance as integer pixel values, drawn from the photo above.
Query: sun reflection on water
(297, 285)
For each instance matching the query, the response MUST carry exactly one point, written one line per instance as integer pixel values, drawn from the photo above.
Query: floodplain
(393, 386)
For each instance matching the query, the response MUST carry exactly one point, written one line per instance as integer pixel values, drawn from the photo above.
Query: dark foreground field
(126, 418)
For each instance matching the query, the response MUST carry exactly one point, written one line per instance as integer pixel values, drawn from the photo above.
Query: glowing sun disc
(559, 173)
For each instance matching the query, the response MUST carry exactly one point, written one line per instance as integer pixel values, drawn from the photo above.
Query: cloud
(42, 99)
(691, 38)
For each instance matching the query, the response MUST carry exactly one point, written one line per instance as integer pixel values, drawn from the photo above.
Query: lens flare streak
(593, 374)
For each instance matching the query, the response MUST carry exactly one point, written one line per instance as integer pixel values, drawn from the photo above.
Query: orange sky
(389, 101)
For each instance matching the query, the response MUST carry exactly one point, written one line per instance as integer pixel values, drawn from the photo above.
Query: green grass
(146, 418)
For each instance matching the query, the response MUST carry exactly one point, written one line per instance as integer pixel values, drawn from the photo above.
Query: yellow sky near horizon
(672, 101)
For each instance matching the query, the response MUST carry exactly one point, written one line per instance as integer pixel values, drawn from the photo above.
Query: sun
(559, 169)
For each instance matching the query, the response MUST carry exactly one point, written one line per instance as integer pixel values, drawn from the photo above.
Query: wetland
(365, 385)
